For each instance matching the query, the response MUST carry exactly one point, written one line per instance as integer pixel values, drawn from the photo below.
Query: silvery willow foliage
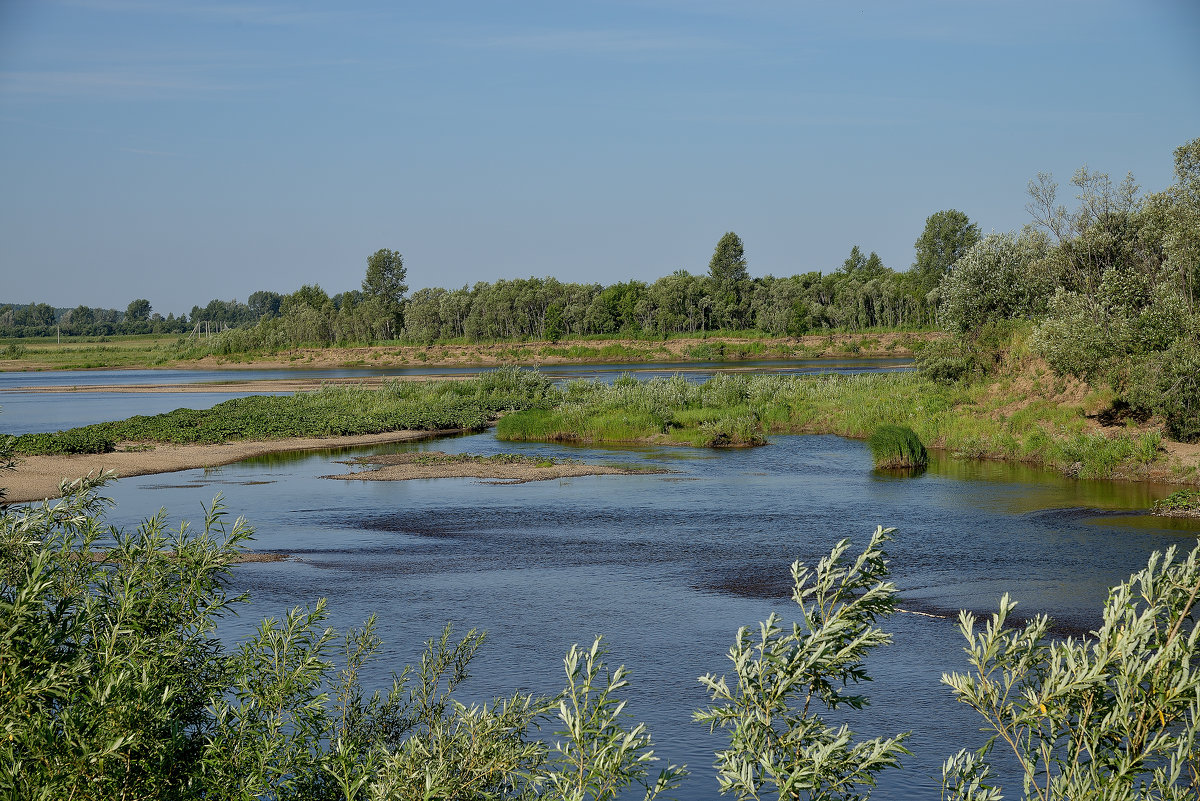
(787, 676)
(596, 755)
(1110, 716)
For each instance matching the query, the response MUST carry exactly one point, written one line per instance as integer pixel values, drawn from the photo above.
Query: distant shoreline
(675, 349)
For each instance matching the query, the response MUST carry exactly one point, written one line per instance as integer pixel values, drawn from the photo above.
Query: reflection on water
(668, 567)
(1031, 488)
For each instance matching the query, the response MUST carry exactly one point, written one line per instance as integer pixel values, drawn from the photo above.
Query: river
(666, 567)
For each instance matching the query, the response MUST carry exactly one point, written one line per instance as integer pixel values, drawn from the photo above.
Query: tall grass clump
(897, 447)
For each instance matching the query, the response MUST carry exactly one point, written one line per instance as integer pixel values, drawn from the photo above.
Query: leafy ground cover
(330, 411)
(1185, 503)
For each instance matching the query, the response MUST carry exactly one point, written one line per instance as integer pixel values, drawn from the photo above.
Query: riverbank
(38, 477)
(158, 354)
(1027, 416)
(501, 468)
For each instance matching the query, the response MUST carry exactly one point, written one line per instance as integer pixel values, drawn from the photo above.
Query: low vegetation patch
(441, 458)
(330, 411)
(1184, 503)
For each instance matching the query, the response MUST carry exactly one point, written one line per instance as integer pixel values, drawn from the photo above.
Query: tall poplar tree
(730, 281)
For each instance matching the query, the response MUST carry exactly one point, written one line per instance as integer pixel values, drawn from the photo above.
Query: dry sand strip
(38, 477)
(409, 466)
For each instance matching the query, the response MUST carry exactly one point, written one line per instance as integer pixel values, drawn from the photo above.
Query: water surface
(667, 567)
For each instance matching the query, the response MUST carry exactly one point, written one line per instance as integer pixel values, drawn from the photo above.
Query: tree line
(862, 293)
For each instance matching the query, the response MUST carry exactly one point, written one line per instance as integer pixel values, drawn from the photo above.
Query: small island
(1184, 503)
(506, 468)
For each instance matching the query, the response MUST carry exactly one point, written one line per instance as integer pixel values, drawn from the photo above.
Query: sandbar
(37, 478)
(410, 466)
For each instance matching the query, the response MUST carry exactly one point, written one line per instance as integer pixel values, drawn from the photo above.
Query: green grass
(330, 411)
(743, 409)
(79, 353)
(1182, 503)
(897, 447)
(969, 421)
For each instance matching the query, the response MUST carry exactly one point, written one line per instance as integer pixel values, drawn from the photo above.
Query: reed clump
(897, 447)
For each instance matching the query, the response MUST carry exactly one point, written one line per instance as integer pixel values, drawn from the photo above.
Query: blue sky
(182, 151)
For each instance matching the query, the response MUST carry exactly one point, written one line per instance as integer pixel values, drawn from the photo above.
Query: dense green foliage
(966, 419)
(112, 685)
(718, 413)
(897, 447)
(330, 411)
(1185, 501)
(1112, 288)
(862, 294)
(87, 439)
(384, 281)
(948, 235)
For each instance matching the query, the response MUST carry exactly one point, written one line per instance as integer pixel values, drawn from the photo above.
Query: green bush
(786, 676)
(1168, 384)
(76, 440)
(897, 447)
(112, 685)
(1114, 715)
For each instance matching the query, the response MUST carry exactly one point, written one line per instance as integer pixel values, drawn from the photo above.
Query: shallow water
(667, 567)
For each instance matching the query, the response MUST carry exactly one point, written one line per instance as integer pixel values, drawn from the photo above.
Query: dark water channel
(667, 567)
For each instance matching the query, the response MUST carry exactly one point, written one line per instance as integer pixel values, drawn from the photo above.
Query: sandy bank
(409, 466)
(38, 477)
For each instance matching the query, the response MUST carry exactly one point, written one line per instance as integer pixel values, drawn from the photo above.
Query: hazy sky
(182, 151)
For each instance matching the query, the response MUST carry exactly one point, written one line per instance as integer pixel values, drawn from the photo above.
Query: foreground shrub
(112, 685)
(107, 665)
(897, 447)
(1111, 716)
(778, 741)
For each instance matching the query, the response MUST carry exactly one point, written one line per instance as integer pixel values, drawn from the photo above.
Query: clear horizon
(185, 151)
